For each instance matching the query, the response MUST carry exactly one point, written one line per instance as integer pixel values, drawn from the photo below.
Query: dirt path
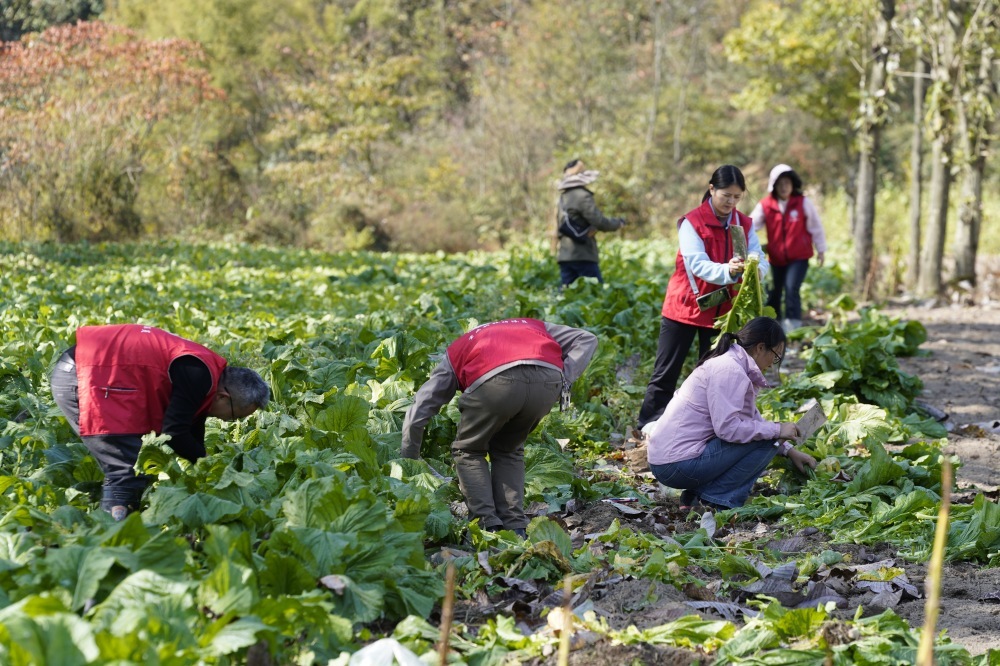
(962, 377)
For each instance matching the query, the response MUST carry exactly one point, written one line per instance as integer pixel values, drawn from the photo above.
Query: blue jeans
(569, 271)
(723, 474)
(788, 278)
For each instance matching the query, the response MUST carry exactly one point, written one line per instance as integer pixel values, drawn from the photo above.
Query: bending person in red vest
(793, 228)
(706, 264)
(121, 382)
(511, 373)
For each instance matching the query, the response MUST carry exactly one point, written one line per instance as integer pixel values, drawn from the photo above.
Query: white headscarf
(581, 179)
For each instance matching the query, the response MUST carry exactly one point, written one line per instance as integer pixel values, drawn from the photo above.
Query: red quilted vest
(788, 239)
(491, 345)
(124, 381)
(679, 304)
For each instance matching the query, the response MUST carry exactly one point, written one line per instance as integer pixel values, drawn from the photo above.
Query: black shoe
(521, 532)
(688, 499)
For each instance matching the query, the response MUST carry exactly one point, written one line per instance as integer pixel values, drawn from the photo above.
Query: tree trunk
(974, 128)
(654, 104)
(970, 214)
(932, 252)
(872, 117)
(916, 170)
(944, 31)
(864, 215)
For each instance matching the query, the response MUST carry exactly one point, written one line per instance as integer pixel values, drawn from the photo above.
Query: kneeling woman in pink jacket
(711, 441)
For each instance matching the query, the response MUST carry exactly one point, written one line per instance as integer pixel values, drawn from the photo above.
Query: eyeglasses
(232, 411)
(777, 357)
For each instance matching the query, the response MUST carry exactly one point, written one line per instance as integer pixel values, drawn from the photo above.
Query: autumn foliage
(90, 114)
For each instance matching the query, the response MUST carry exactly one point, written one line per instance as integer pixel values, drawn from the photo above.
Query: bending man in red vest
(511, 373)
(120, 382)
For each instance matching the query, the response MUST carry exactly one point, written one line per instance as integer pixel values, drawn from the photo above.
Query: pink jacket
(718, 399)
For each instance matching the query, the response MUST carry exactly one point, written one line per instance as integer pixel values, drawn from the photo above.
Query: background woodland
(425, 125)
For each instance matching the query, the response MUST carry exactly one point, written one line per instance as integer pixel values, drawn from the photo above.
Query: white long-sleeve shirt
(696, 260)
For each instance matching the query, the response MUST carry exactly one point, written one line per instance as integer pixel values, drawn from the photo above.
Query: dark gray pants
(116, 454)
(497, 418)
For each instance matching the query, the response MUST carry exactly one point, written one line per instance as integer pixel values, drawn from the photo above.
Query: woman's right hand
(736, 266)
(788, 431)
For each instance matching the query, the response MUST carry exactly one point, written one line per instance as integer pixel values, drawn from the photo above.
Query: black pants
(671, 350)
(116, 454)
(569, 271)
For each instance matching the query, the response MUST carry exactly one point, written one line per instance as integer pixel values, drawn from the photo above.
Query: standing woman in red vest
(701, 287)
(511, 374)
(118, 383)
(793, 228)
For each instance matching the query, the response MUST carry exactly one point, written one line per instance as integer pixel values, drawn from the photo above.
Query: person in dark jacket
(511, 373)
(120, 382)
(578, 222)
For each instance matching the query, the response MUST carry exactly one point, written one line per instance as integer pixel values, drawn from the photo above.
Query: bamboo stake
(447, 609)
(567, 627)
(925, 653)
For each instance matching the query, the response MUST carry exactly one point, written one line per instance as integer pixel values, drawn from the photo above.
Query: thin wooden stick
(447, 609)
(925, 653)
(567, 627)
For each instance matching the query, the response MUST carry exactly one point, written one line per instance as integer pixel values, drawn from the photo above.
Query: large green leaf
(191, 509)
(229, 589)
(43, 639)
(226, 635)
(80, 569)
(880, 469)
(330, 504)
(545, 469)
(341, 414)
(282, 575)
(542, 529)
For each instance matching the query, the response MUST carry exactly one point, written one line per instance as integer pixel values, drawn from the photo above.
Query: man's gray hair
(246, 387)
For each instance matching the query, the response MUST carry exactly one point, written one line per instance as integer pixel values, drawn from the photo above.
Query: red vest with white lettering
(491, 345)
(124, 380)
(788, 239)
(679, 304)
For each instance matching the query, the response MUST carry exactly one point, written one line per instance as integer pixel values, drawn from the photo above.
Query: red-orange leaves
(85, 110)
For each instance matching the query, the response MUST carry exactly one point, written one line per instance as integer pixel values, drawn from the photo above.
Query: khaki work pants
(497, 418)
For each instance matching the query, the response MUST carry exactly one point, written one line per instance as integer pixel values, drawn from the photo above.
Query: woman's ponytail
(758, 330)
(725, 343)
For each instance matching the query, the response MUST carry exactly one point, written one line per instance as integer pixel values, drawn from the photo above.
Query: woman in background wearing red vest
(120, 382)
(793, 228)
(705, 265)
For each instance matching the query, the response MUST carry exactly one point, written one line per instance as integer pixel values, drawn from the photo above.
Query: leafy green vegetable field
(302, 538)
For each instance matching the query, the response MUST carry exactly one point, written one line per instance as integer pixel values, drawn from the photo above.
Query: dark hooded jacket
(578, 202)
